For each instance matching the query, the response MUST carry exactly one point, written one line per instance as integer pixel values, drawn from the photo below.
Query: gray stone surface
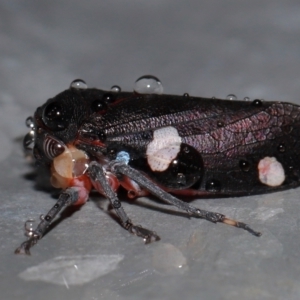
(206, 48)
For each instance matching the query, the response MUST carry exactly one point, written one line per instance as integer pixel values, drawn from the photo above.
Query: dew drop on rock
(148, 84)
(169, 260)
(78, 84)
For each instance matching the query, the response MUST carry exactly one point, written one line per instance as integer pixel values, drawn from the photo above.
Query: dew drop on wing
(98, 106)
(213, 185)
(109, 98)
(29, 122)
(115, 89)
(148, 84)
(281, 148)
(244, 165)
(78, 84)
(184, 171)
(257, 103)
(181, 179)
(231, 97)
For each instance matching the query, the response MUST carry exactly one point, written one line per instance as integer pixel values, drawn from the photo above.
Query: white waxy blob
(164, 147)
(270, 171)
(72, 270)
(70, 164)
(148, 84)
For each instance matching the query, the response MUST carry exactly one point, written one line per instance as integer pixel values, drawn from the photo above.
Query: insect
(150, 143)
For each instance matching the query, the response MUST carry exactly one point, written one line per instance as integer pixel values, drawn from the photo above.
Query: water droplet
(174, 166)
(213, 185)
(78, 84)
(48, 218)
(246, 98)
(115, 89)
(102, 135)
(28, 140)
(98, 106)
(186, 95)
(231, 97)
(148, 84)
(213, 97)
(111, 152)
(109, 97)
(257, 103)
(42, 217)
(220, 124)
(28, 226)
(244, 165)
(29, 122)
(184, 171)
(281, 148)
(186, 149)
(181, 179)
(169, 260)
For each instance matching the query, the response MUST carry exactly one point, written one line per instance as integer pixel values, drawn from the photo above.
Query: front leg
(97, 175)
(66, 198)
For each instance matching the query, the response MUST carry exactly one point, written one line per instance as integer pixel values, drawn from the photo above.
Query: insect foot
(148, 235)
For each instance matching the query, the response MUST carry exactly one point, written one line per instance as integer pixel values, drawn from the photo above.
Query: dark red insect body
(162, 144)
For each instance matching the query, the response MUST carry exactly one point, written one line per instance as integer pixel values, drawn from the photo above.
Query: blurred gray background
(205, 48)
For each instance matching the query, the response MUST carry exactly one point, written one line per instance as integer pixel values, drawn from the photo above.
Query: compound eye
(55, 117)
(52, 147)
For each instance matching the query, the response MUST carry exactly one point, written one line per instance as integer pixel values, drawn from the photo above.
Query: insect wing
(220, 144)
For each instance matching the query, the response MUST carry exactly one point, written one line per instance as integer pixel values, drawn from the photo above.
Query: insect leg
(66, 198)
(143, 181)
(97, 174)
